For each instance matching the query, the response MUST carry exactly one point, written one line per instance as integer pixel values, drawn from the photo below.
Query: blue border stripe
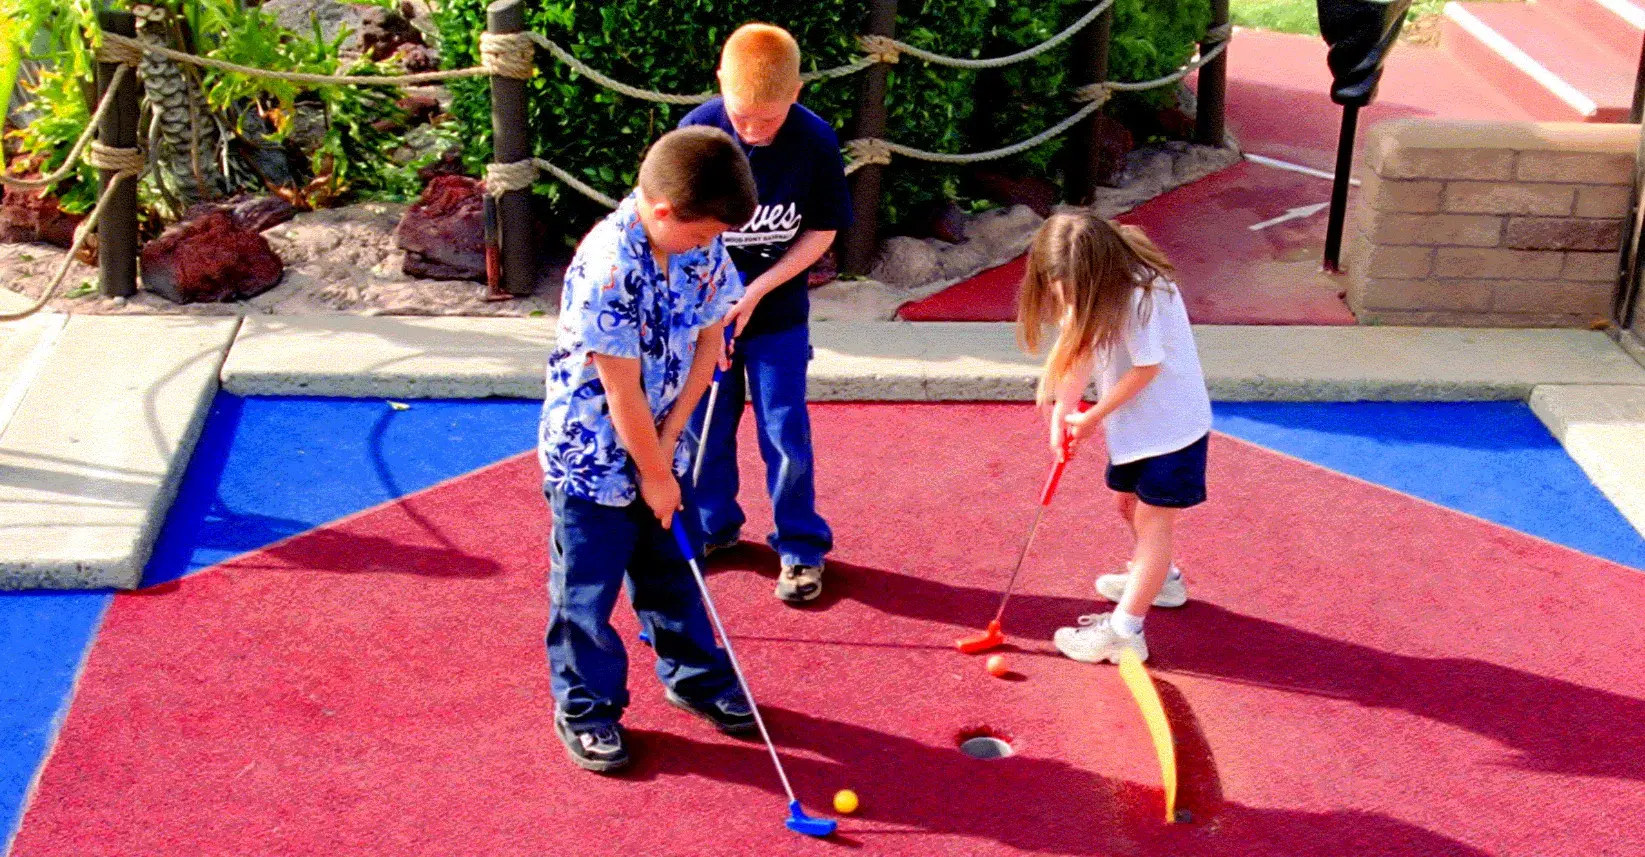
(1493, 460)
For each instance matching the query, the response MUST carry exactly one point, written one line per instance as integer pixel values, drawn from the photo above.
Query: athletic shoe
(798, 584)
(1095, 641)
(1174, 593)
(593, 748)
(729, 712)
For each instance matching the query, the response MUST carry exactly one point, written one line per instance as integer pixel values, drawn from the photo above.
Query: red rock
(1036, 193)
(1113, 143)
(32, 216)
(443, 234)
(944, 221)
(416, 59)
(383, 32)
(419, 108)
(824, 272)
(209, 259)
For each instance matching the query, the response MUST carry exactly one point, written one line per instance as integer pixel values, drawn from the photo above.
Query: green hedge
(673, 46)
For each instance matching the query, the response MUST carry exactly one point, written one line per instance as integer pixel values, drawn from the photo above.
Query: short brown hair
(702, 173)
(760, 64)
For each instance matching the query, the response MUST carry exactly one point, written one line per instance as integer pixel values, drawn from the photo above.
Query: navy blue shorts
(1175, 480)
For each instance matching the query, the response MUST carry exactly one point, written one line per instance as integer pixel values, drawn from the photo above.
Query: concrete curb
(91, 462)
(1603, 430)
(899, 361)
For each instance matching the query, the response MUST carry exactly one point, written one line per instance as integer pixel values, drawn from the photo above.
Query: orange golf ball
(996, 666)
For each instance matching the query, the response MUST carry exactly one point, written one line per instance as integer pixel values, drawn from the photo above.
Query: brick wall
(1489, 223)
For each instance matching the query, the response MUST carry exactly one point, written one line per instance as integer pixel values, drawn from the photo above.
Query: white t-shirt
(1174, 410)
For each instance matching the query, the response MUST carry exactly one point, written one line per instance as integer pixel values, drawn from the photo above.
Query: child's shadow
(1023, 802)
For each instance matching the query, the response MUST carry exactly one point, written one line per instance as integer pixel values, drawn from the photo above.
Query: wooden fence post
(117, 225)
(511, 142)
(1209, 128)
(1087, 64)
(861, 240)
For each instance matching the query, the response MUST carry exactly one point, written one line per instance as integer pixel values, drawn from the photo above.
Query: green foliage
(674, 47)
(350, 159)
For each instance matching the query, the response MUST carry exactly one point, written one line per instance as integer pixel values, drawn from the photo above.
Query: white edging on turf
(1521, 60)
(1632, 15)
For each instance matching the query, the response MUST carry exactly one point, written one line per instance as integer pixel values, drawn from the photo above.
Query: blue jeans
(769, 369)
(594, 548)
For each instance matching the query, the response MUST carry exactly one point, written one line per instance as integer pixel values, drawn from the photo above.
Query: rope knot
(120, 49)
(1095, 93)
(865, 151)
(880, 49)
(126, 161)
(1218, 34)
(508, 54)
(502, 178)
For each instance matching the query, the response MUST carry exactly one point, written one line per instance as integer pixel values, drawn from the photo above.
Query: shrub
(673, 47)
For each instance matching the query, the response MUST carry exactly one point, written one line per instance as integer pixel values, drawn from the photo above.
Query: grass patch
(1302, 16)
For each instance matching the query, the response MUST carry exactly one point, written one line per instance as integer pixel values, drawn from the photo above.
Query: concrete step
(1552, 64)
(1619, 24)
(103, 419)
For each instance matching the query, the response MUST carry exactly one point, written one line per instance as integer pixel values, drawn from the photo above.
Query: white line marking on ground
(1278, 164)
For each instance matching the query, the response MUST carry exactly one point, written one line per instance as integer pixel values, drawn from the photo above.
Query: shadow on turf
(1556, 726)
(1024, 802)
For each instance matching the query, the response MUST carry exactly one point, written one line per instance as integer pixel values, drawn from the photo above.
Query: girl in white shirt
(1118, 317)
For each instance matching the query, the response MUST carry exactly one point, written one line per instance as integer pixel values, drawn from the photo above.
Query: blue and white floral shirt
(618, 303)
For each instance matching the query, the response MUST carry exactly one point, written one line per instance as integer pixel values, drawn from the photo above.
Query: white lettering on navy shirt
(771, 224)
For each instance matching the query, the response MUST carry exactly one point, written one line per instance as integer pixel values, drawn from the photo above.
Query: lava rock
(33, 216)
(383, 32)
(443, 234)
(1037, 193)
(209, 259)
(253, 213)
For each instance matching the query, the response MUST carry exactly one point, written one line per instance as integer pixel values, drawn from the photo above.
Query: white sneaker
(1174, 593)
(1095, 641)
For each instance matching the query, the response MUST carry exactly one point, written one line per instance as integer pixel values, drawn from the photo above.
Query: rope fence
(513, 56)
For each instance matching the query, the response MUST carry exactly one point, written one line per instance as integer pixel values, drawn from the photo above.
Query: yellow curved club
(1159, 729)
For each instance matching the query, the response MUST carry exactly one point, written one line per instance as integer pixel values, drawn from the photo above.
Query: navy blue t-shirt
(801, 180)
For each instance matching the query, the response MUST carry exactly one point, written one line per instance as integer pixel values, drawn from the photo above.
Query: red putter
(993, 637)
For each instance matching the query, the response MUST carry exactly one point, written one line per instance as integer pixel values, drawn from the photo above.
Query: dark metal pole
(511, 142)
(117, 225)
(1339, 188)
(861, 239)
(1088, 64)
(1209, 127)
(1631, 277)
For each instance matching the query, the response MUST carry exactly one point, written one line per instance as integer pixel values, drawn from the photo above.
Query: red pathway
(378, 687)
(1278, 106)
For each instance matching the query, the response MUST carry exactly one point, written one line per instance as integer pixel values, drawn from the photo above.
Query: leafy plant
(674, 47)
(358, 124)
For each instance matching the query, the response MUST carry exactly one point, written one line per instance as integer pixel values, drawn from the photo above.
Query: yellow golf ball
(845, 801)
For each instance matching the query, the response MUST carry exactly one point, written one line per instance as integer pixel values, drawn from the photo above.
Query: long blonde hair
(1096, 264)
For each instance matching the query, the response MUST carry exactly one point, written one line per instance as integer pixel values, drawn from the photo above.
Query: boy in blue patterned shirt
(640, 330)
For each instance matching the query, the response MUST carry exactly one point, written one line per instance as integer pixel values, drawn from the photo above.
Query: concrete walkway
(104, 410)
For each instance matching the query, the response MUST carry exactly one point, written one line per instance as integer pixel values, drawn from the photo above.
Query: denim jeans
(594, 549)
(768, 369)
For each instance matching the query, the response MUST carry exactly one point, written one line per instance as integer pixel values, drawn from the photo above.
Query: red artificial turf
(1360, 673)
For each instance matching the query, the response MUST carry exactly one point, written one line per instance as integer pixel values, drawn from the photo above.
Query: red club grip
(1056, 469)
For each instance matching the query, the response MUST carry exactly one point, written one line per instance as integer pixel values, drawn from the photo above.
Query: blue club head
(805, 825)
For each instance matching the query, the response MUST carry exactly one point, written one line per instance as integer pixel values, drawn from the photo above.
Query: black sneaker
(729, 712)
(797, 584)
(712, 548)
(593, 748)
